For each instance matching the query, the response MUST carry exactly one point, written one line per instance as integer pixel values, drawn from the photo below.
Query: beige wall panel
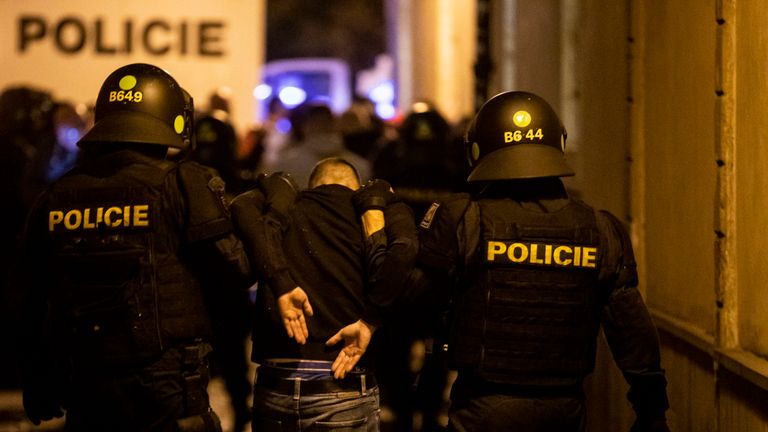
(752, 174)
(440, 55)
(691, 386)
(743, 406)
(608, 409)
(424, 49)
(680, 167)
(538, 49)
(599, 135)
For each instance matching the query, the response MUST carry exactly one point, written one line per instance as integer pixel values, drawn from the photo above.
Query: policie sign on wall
(68, 47)
(102, 36)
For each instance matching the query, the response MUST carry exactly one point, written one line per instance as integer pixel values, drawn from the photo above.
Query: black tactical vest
(530, 314)
(124, 294)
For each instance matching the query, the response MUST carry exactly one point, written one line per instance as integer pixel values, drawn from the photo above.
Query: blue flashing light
(292, 96)
(385, 110)
(283, 125)
(382, 92)
(262, 91)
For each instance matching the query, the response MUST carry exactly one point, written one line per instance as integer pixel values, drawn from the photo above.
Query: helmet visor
(133, 127)
(521, 161)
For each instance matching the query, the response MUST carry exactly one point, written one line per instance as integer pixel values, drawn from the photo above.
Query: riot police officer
(120, 255)
(535, 274)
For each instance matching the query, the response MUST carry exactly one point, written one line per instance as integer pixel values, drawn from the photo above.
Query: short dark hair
(334, 170)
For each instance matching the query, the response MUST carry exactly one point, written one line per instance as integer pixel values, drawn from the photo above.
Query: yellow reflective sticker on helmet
(475, 151)
(521, 118)
(178, 124)
(127, 82)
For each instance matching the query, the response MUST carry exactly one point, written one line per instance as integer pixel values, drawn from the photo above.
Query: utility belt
(199, 417)
(301, 377)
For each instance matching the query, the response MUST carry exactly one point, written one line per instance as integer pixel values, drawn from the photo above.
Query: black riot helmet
(516, 135)
(141, 103)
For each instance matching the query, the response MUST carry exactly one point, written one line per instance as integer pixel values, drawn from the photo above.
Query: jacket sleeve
(391, 255)
(442, 252)
(262, 236)
(627, 324)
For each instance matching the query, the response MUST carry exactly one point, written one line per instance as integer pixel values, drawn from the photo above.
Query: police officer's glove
(650, 425)
(374, 195)
(280, 191)
(41, 403)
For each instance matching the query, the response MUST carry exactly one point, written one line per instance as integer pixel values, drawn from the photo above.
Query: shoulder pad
(454, 205)
(438, 231)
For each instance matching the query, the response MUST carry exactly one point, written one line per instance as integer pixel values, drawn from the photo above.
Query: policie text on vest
(93, 218)
(541, 254)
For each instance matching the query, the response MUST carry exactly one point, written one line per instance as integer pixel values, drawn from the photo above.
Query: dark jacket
(321, 248)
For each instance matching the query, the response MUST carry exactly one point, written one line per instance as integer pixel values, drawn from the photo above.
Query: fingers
(302, 323)
(296, 329)
(307, 308)
(288, 327)
(299, 334)
(333, 340)
(338, 366)
(345, 362)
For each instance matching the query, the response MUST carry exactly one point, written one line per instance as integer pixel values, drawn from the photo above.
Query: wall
(665, 106)
(697, 149)
(68, 48)
(434, 43)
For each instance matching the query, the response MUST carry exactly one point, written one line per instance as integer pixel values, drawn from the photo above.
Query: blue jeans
(304, 396)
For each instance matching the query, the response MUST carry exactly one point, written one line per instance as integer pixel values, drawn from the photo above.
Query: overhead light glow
(385, 110)
(262, 92)
(292, 96)
(420, 107)
(383, 92)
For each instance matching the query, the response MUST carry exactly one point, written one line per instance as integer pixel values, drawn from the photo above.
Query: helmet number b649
(122, 95)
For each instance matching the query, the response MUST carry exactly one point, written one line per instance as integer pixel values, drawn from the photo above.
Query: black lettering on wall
(128, 47)
(31, 28)
(110, 36)
(183, 38)
(70, 26)
(101, 48)
(146, 38)
(210, 38)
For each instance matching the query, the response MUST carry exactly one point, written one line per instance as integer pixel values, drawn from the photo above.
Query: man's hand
(356, 337)
(374, 195)
(293, 306)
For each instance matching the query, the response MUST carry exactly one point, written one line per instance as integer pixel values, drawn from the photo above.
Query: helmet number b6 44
(517, 136)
